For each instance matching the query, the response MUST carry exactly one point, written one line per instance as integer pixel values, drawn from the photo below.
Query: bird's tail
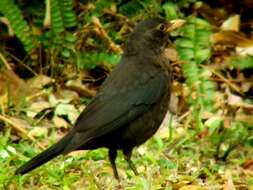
(45, 156)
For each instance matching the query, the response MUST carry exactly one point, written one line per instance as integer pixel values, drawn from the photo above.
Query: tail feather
(44, 156)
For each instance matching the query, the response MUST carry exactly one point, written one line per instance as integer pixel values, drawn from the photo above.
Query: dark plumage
(131, 103)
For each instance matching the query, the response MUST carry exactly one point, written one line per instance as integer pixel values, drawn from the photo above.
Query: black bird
(131, 103)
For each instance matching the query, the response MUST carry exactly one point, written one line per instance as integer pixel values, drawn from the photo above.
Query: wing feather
(103, 116)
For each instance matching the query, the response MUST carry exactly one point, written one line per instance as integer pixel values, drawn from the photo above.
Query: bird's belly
(137, 132)
(144, 126)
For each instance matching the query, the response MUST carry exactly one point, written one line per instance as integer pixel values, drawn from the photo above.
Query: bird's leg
(112, 158)
(127, 155)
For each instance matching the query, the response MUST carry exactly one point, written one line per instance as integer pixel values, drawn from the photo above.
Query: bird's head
(151, 34)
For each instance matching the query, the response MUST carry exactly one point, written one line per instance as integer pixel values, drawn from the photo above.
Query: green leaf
(91, 60)
(170, 10)
(242, 62)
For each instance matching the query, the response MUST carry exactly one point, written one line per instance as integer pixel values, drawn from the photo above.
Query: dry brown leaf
(248, 164)
(232, 23)
(20, 122)
(234, 100)
(60, 122)
(39, 81)
(77, 86)
(232, 38)
(12, 88)
(20, 127)
(68, 94)
(192, 187)
(244, 51)
(229, 185)
(36, 108)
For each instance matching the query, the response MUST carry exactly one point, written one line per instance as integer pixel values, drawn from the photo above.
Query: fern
(19, 25)
(56, 17)
(194, 49)
(91, 60)
(170, 10)
(144, 7)
(131, 8)
(242, 62)
(68, 14)
(62, 18)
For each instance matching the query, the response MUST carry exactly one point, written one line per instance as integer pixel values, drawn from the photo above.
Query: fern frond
(242, 62)
(194, 49)
(19, 25)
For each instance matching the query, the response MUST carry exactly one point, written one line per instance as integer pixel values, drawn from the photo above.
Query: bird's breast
(146, 125)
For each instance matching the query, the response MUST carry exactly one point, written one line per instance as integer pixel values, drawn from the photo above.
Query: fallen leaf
(12, 88)
(67, 109)
(232, 23)
(243, 51)
(36, 108)
(233, 38)
(60, 122)
(192, 187)
(229, 185)
(234, 100)
(39, 81)
(248, 164)
(38, 132)
(77, 86)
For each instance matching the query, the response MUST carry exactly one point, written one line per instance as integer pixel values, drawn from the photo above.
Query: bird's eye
(161, 27)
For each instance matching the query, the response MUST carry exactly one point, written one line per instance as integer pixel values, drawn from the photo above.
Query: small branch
(231, 85)
(21, 130)
(101, 32)
(5, 62)
(23, 64)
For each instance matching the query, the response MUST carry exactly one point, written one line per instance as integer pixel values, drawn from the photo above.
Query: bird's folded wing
(102, 117)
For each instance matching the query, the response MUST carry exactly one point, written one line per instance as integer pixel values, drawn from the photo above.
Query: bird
(130, 104)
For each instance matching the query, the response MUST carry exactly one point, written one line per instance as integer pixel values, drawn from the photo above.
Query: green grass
(160, 164)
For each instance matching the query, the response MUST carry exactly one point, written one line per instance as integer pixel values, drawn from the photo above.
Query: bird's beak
(174, 24)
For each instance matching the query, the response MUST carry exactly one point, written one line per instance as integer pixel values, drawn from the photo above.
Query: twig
(23, 64)
(101, 31)
(234, 87)
(21, 130)
(183, 116)
(5, 62)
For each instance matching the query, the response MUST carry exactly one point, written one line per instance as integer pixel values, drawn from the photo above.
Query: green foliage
(145, 7)
(62, 18)
(242, 62)
(62, 15)
(131, 8)
(19, 25)
(170, 10)
(56, 17)
(90, 60)
(194, 49)
(69, 16)
(57, 41)
(227, 139)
